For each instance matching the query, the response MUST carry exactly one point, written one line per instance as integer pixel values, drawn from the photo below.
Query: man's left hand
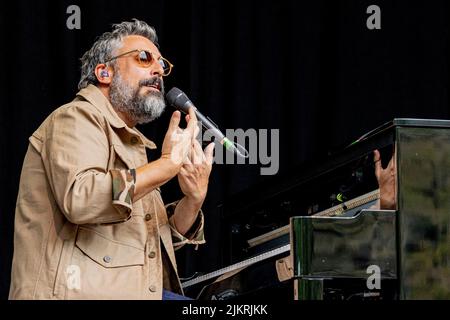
(194, 174)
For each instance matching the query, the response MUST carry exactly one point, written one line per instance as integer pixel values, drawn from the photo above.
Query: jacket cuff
(123, 186)
(195, 234)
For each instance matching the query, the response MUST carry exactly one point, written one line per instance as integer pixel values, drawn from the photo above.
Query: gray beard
(140, 108)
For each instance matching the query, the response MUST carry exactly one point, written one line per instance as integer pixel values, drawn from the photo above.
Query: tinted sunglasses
(145, 59)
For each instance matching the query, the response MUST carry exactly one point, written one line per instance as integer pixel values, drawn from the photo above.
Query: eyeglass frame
(139, 51)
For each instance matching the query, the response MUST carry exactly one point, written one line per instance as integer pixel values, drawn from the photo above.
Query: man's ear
(103, 73)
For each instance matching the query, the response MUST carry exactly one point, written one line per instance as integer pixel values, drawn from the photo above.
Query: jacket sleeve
(195, 235)
(75, 153)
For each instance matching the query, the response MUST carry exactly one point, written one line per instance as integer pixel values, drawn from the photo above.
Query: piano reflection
(317, 235)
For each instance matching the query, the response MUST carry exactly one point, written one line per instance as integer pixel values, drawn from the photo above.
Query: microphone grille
(178, 99)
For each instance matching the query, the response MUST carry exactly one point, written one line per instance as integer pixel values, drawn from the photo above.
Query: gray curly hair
(107, 44)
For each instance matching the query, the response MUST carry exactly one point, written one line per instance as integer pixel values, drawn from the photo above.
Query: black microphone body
(180, 101)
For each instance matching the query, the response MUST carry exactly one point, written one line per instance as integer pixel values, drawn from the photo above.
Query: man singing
(90, 221)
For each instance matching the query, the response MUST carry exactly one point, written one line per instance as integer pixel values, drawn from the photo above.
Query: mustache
(153, 81)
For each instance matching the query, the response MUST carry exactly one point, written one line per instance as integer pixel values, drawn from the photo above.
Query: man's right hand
(175, 151)
(178, 142)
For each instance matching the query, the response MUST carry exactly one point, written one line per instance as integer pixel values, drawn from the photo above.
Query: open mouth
(155, 86)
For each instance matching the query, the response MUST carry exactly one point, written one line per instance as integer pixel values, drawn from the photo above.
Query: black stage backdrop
(309, 68)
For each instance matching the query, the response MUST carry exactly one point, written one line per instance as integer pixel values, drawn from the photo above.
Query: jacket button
(107, 259)
(148, 216)
(134, 140)
(152, 254)
(152, 289)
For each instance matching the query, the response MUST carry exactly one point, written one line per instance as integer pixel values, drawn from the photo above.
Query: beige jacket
(76, 235)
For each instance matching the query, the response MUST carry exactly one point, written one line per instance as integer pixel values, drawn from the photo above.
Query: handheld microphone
(179, 100)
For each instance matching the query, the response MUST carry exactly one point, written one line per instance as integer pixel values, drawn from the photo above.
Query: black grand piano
(317, 235)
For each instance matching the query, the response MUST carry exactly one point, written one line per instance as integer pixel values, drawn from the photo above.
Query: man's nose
(157, 69)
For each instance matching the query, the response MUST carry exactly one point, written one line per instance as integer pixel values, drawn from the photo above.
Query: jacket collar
(93, 95)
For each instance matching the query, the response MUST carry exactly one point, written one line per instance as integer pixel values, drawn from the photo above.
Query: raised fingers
(377, 161)
(209, 153)
(197, 153)
(174, 121)
(192, 124)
